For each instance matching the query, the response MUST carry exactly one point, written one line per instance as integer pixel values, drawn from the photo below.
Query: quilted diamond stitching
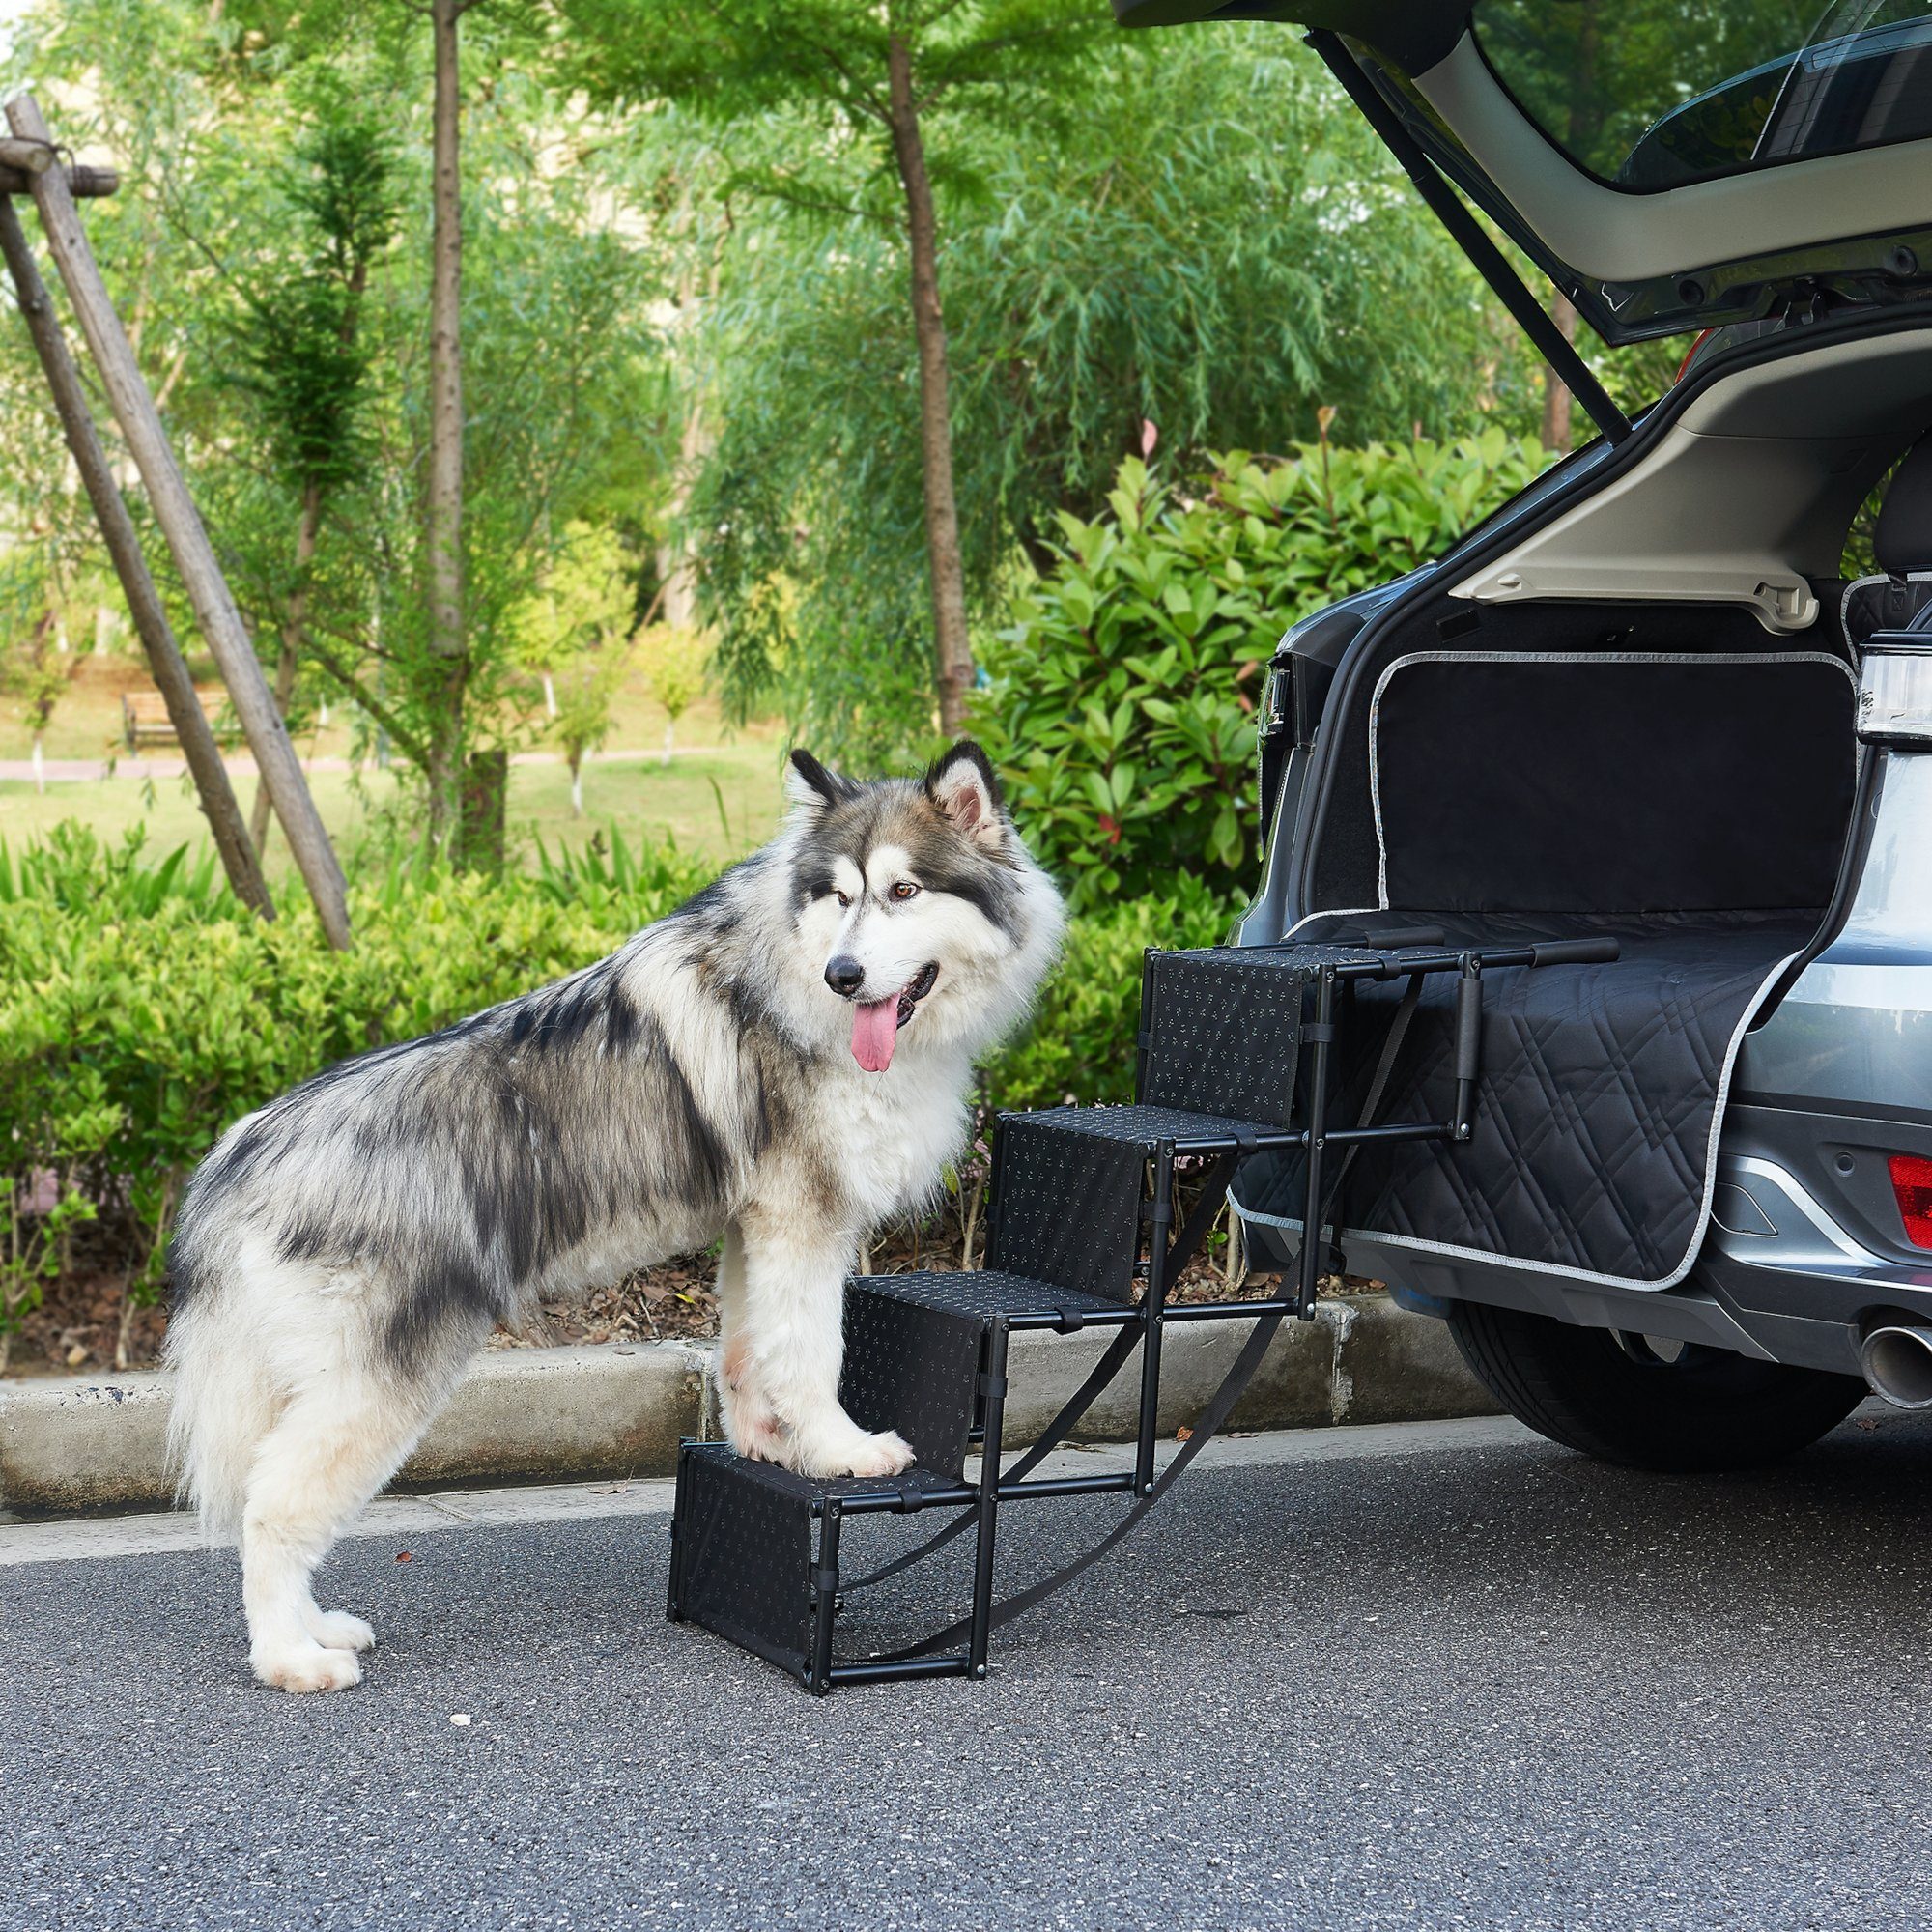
(1595, 1110)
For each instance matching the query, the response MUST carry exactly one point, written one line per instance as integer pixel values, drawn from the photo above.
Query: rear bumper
(1806, 1247)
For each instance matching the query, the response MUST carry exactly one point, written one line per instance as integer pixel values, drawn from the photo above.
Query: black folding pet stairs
(1083, 1236)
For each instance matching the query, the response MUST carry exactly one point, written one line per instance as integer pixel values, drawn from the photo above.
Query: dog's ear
(808, 782)
(966, 790)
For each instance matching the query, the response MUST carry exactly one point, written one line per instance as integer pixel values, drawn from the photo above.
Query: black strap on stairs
(1220, 1404)
(1075, 1406)
(1192, 1234)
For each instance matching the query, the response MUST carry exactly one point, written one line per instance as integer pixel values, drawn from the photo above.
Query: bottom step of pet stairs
(755, 1556)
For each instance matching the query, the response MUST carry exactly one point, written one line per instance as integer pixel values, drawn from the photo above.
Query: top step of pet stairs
(1083, 1236)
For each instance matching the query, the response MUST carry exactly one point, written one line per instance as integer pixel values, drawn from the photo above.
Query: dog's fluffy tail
(225, 1402)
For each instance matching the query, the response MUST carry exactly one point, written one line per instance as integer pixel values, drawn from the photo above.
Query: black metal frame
(1168, 1252)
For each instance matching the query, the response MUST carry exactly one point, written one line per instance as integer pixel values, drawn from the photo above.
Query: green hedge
(141, 1012)
(1121, 700)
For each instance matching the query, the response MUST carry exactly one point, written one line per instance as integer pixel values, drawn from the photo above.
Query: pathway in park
(1429, 1676)
(73, 771)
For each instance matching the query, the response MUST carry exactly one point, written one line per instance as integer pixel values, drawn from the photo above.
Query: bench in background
(145, 719)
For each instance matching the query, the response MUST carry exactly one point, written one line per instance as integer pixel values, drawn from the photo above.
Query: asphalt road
(1481, 1686)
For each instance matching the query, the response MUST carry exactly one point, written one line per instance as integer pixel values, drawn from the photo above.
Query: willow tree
(893, 96)
(304, 353)
(1206, 239)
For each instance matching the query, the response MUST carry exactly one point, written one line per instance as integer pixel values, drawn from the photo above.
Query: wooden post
(83, 182)
(164, 659)
(31, 157)
(188, 540)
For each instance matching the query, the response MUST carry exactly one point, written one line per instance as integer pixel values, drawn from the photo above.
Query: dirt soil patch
(80, 1328)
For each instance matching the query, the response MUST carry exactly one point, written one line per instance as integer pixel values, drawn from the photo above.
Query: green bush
(1120, 701)
(142, 1012)
(1079, 1047)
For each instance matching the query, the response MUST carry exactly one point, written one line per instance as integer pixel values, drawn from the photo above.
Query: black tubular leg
(825, 1580)
(1321, 1038)
(1151, 1312)
(1145, 1037)
(995, 1393)
(953, 1664)
(1468, 1045)
(671, 1582)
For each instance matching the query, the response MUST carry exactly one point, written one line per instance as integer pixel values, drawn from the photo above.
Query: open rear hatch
(1670, 165)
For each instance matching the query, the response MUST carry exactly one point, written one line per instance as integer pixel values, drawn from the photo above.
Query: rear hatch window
(1653, 93)
(1671, 165)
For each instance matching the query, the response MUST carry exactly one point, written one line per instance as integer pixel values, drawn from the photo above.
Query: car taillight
(1912, 1185)
(1690, 354)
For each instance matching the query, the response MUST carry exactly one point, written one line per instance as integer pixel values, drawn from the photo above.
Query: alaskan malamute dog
(784, 1061)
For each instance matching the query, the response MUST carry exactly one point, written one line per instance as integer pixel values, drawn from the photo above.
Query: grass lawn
(641, 795)
(86, 723)
(717, 803)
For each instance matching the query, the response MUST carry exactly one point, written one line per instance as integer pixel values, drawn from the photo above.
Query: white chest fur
(889, 1136)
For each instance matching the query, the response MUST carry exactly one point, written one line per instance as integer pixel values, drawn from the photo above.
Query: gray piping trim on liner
(1845, 611)
(1340, 912)
(1544, 657)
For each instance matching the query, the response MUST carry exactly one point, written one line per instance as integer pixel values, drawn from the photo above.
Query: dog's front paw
(338, 1629)
(860, 1455)
(759, 1438)
(307, 1667)
(885, 1454)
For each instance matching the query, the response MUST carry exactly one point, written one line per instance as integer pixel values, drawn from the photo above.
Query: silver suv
(1642, 700)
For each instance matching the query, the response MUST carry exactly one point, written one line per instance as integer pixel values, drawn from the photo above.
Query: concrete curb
(569, 1414)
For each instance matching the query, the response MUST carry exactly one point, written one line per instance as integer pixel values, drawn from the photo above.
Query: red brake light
(1691, 353)
(1912, 1185)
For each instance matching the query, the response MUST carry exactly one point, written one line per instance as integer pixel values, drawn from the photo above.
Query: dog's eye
(843, 898)
(905, 890)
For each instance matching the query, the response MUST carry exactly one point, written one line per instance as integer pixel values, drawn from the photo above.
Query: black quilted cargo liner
(1597, 1115)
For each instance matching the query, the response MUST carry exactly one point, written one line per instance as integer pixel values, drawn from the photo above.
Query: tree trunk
(445, 454)
(549, 694)
(124, 550)
(670, 726)
(1555, 394)
(295, 623)
(678, 599)
(677, 578)
(483, 812)
(577, 784)
(127, 1307)
(954, 650)
(40, 774)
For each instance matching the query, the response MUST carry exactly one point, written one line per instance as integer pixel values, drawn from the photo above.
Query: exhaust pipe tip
(1897, 1364)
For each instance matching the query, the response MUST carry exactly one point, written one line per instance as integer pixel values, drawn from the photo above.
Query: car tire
(1622, 1398)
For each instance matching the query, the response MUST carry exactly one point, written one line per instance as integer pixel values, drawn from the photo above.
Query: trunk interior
(1668, 775)
(1561, 764)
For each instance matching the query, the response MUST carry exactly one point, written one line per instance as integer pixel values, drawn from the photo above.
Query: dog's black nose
(844, 975)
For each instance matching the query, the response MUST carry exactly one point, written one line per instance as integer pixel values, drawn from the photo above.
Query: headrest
(1902, 543)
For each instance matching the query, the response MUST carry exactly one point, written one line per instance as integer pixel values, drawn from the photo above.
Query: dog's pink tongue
(875, 1032)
